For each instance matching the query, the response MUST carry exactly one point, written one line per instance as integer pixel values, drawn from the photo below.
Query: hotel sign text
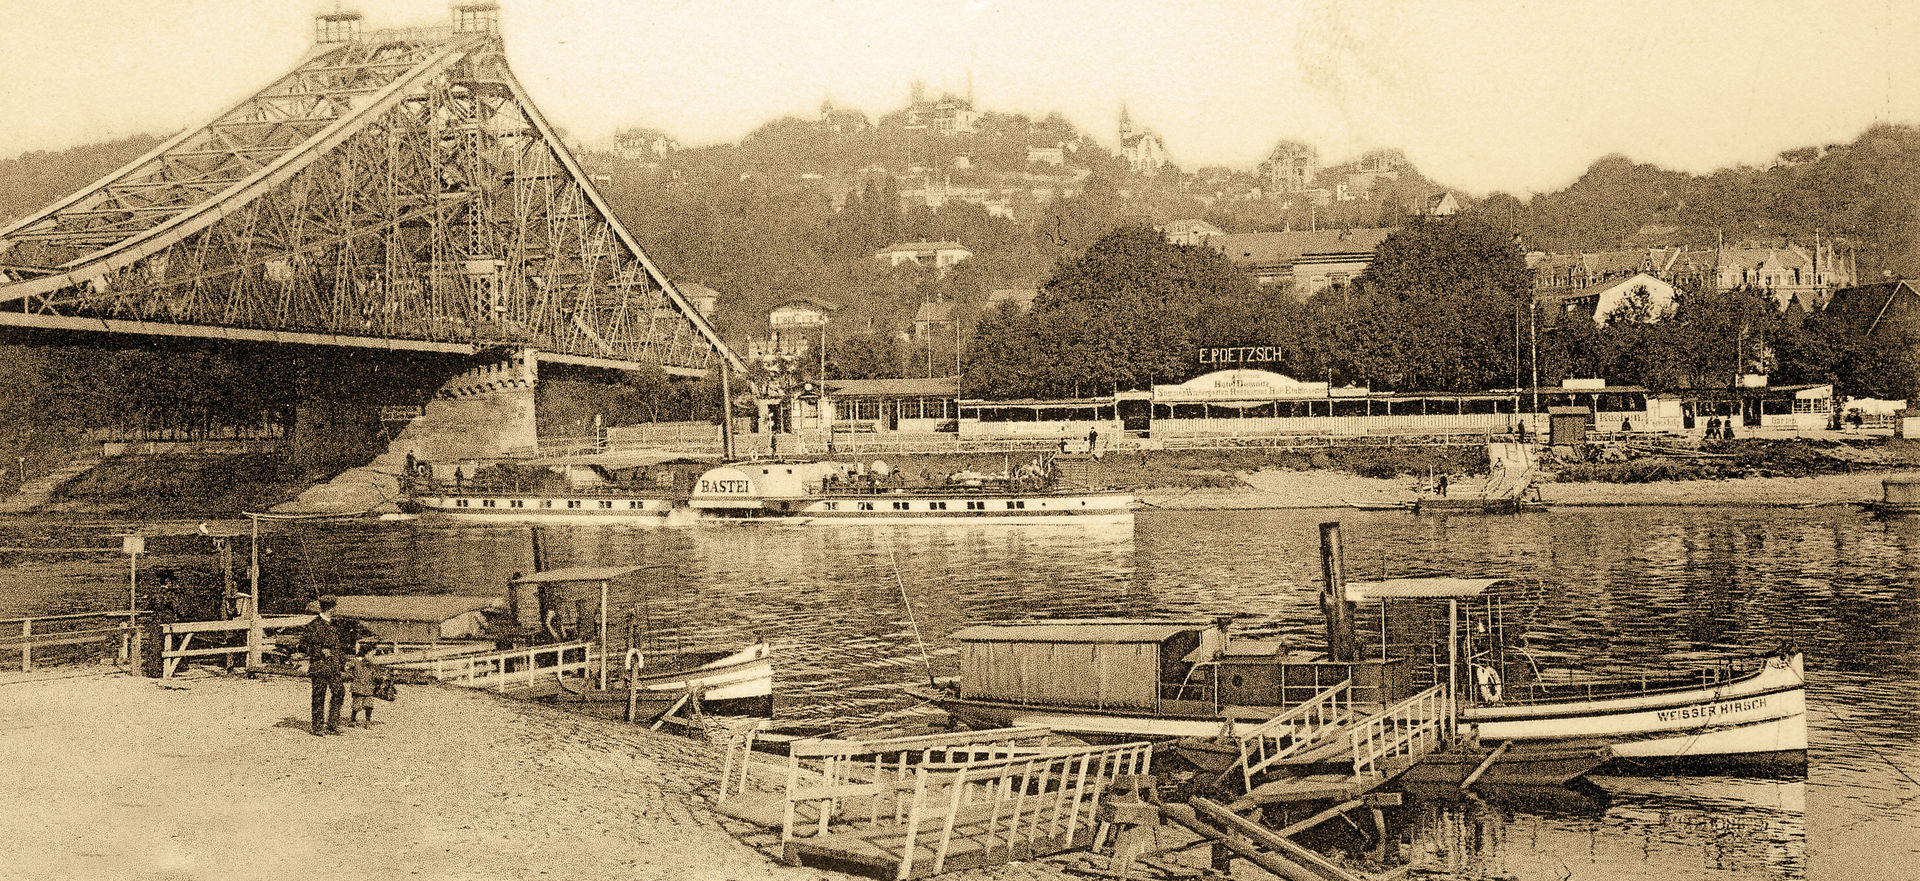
(1241, 355)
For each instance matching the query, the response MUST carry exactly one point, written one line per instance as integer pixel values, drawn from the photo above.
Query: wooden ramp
(1321, 752)
(917, 806)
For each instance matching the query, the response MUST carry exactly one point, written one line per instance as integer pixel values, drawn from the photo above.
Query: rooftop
(911, 387)
(1287, 247)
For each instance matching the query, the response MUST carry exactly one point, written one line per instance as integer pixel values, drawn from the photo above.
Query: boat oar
(924, 659)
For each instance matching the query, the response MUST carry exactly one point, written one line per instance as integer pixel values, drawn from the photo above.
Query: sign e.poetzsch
(1240, 355)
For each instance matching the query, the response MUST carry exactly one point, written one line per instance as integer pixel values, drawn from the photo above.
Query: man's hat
(313, 608)
(329, 601)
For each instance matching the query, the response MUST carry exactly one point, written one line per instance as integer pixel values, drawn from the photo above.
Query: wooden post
(603, 634)
(255, 636)
(26, 647)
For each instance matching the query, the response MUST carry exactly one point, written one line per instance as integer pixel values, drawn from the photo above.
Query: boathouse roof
(577, 573)
(412, 608)
(1080, 631)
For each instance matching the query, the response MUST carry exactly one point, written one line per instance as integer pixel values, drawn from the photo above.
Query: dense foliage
(1128, 312)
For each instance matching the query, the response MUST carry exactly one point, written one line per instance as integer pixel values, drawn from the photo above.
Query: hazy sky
(1512, 95)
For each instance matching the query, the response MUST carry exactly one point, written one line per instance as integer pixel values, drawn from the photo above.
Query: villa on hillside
(1308, 261)
(1020, 298)
(1600, 301)
(1189, 232)
(1789, 273)
(938, 256)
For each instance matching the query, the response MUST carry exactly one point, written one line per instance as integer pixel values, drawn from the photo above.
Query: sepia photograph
(820, 440)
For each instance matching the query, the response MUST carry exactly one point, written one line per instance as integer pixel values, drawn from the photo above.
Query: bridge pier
(485, 410)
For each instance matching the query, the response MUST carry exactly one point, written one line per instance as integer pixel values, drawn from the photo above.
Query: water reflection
(1618, 587)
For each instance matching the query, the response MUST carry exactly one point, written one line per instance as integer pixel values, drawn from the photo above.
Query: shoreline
(215, 776)
(1320, 489)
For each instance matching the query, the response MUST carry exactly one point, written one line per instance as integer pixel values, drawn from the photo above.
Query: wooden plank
(1216, 813)
(72, 637)
(236, 625)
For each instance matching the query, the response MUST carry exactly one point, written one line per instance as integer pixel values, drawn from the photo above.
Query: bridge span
(395, 189)
(393, 192)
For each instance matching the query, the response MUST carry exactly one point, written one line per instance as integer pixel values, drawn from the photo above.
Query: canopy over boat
(1421, 588)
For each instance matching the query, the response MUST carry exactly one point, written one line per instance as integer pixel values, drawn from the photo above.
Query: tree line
(1447, 305)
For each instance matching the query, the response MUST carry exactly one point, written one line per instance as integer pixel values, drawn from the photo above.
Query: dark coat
(321, 642)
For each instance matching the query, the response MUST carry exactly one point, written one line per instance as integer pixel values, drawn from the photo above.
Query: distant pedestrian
(1626, 424)
(1441, 485)
(360, 681)
(321, 643)
(1522, 431)
(1713, 428)
(1726, 431)
(1093, 438)
(411, 463)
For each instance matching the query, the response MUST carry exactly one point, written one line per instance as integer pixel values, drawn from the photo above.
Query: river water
(1627, 586)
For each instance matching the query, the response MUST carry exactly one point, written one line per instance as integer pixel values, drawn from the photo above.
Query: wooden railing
(176, 640)
(1018, 807)
(828, 776)
(33, 634)
(1407, 730)
(1294, 730)
(515, 669)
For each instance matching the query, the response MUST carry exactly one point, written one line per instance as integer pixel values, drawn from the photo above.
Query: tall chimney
(1342, 644)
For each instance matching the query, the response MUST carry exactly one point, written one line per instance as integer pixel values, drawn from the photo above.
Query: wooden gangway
(916, 806)
(1315, 753)
(534, 671)
(1320, 719)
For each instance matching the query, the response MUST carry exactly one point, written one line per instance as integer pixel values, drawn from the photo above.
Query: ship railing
(510, 670)
(1406, 731)
(1429, 667)
(1311, 722)
(833, 780)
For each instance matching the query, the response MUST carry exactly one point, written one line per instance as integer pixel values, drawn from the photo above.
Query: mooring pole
(726, 411)
(1342, 645)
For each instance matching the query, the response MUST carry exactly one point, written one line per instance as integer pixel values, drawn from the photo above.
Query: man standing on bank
(326, 666)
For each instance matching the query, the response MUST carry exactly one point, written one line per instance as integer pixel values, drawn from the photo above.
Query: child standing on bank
(360, 680)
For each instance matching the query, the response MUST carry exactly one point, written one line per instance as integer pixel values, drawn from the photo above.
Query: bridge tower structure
(395, 193)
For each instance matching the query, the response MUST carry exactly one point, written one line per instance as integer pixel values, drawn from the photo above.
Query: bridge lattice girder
(399, 190)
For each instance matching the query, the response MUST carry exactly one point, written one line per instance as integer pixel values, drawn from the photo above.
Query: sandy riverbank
(216, 777)
(1316, 488)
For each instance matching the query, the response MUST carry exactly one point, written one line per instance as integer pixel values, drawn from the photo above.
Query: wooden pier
(917, 806)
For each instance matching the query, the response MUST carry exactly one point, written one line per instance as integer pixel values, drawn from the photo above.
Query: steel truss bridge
(395, 190)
